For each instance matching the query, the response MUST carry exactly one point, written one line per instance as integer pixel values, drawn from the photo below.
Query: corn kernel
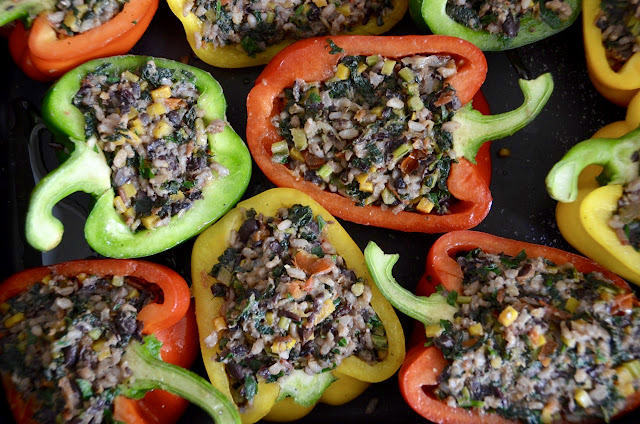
(104, 354)
(162, 130)
(476, 330)
(132, 138)
(320, 3)
(81, 277)
(4, 308)
(137, 127)
(150, 222)
(344, 9)
(130, 213)
(496, 362)
(433, 330)
(46, 279)
(547, 414)
(342, 72)
(130, 76)
(377, 111)
(269, 317)
(144, 84)
(133, 294)
(425, 205)
(179, 196)
(327, 308)
(118, 205)
(582, 397)
(133, 114)
(156, 109)
(70, 21)
(537, 339)
(129, 190)
(95, 334)
(572, 304)
(365, 185)
(284, 345)
(99, 345)
(362, 67)
(117, 280)
(357, 289)
(163, 92)
(507, 316)
(219, 323)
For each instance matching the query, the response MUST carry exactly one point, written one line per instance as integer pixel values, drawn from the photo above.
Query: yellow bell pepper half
(619, 87)
(353, 374)
(583, 222)
(233, 56)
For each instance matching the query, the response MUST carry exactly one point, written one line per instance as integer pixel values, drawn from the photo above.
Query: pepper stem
(428, 310)
(85, 170)
(476, 128)
(150, 372)
(618, 157)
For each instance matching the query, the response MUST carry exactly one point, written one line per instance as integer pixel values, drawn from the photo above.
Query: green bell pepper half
(432, 14)
(10, 10)
(86, 170)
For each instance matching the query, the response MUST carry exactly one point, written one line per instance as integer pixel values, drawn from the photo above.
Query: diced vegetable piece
(415, 103)
(365, 185)
(407, 74)
(387, 68)
(299, 138)
(425, 205)
(280, 147)
(163, 92)
(325, 172)
(342, 72)
(476, 330)
(572, 304)
(372, 60)
(508, 316)
(433, 330)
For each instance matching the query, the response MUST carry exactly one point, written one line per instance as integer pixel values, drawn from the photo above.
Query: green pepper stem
(12, 10)
(476, 128)
(85, 170)
(428, 310)
(151, 373)
(616, 156)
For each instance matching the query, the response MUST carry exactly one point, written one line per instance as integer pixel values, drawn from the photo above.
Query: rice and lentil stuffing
(619, 22)
(290, 302)
(72, 17)
(538, 342)
(379, 131)
(256, 25)
(151, 130)
(504, 16)
(63, 341)
(625, 221)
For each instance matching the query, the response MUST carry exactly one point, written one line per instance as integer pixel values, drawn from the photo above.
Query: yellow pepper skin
(619, 87)
(233, 56)
(583, 222)
(354, 375)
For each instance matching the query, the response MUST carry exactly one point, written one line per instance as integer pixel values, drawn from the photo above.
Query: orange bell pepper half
(311, 60)
(422, 366)
(47, 57)
(172, 322)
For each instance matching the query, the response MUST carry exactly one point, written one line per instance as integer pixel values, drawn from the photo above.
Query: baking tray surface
(521, 207)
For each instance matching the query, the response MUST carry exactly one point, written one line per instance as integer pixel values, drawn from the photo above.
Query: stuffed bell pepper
(101, 341)
(381, 131)
(286, 311)
(66, 34)
(597, 185)
(151, 143)
(241, 33)
(611, 32)
(515, 332)
(495, 25)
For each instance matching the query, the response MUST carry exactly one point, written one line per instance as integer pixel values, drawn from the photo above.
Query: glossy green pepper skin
(86, 170)
(432, 14)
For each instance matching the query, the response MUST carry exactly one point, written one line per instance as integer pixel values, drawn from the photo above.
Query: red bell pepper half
(468, 181)
(45, 56)
(423, 365)
(172, 322)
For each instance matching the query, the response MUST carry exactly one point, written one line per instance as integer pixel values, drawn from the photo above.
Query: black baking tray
(521, 208)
